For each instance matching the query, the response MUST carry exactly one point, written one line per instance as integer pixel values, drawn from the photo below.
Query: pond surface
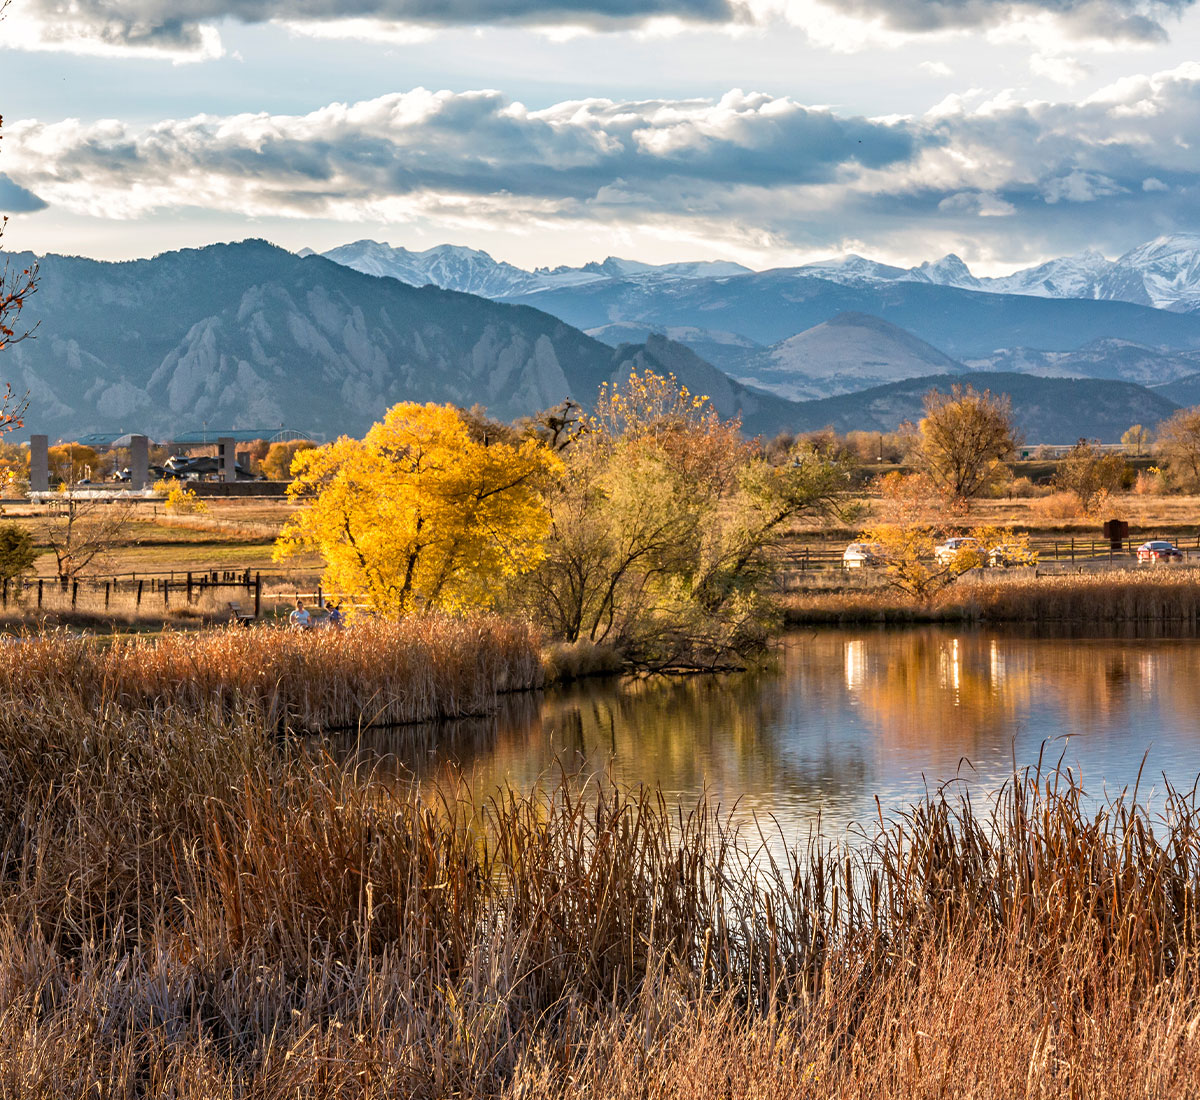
(848, 716)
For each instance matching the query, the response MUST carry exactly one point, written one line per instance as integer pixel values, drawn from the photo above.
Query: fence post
(39, 593)
(106, 594)
(139, 594)
(189, 589)
(166, 593)
(257, 594)
(74, 592)
(320, 597)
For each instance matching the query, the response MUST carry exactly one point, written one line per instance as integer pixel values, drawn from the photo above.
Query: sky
(769, 132)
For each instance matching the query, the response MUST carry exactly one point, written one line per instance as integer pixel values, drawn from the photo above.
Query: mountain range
(1045, 410)
(251, 336)
(836, 327)
(1163, 273)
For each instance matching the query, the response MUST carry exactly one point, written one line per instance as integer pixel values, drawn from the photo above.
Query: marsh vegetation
(192, 906)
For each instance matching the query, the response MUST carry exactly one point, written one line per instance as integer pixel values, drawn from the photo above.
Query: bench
(240, 616)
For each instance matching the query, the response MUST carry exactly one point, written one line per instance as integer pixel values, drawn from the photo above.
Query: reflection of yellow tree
(925, 689)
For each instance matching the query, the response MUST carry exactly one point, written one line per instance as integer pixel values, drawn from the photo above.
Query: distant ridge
(851, 351)
(1163, 273)
(1046, 410)
(249, 335)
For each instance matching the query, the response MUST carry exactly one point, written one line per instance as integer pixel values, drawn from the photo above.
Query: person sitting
(300, 618)
(335, 618)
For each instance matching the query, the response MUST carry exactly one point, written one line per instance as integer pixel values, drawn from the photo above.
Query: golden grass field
(192, 905)
(232, 534)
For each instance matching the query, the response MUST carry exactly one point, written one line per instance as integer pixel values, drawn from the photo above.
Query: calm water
(848, 716)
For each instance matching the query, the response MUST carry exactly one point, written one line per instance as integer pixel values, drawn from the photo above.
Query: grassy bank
(1152, 596)
(191, 906)
(420, 669)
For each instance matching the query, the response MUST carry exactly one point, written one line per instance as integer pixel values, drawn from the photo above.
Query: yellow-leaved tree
(421, 513)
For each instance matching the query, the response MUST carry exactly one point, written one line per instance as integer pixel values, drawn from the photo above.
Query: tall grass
(191, 905)
(1146, 596)
(421, 669)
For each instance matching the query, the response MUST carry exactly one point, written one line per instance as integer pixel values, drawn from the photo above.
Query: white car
(951, 548)
(860, 554)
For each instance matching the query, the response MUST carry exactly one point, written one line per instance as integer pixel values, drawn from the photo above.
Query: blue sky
(765, 131)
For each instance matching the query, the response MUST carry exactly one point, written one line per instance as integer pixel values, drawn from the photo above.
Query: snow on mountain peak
(1164, 272)
(950, 270)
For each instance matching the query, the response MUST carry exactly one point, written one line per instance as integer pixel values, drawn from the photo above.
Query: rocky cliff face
(251, 336)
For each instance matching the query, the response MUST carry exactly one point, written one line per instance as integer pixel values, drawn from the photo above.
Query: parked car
(860, 554)
(951, 548)
(1009, 554)
(1158, 550)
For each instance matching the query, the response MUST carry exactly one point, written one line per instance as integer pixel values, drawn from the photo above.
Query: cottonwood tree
(1136, 437)
(276, 464)
(963, 439)
(1090, 474)
(81, 533)
(1179, 444)
(419, 514)
(906, 553)
(662, 525)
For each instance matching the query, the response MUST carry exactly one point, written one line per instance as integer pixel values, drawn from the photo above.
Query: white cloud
(1062, 70)
(1079, 186)
(936, 68)
(189, 27)
(1007, 174)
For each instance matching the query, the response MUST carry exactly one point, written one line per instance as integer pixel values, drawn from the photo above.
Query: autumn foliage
(419, 514)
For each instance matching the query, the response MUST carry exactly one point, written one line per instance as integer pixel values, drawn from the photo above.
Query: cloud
(1062, 70)
(183, 28)
(17, 200)
(995, 178)
(936, 68)
(1125, 20)
(188, 29)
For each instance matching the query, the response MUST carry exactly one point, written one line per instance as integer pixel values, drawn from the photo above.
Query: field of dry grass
(231, 534)
(1042, 517)
(1164, 594)
(193, 906)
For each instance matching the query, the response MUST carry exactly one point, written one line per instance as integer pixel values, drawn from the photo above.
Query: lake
(847, 716)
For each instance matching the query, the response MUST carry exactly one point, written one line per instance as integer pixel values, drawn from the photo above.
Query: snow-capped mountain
(950, 270)
(1067, 277)
(615, 267)
(472, 271)
(447, 266)
(251, 336)
(853, 270)
(1164, 273)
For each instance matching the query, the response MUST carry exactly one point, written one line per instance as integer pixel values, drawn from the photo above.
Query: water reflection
(845, 716)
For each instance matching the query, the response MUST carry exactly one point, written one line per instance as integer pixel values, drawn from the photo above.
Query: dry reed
(1164, 595)
(197, 907)
(421, 669)
(1170, 594)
